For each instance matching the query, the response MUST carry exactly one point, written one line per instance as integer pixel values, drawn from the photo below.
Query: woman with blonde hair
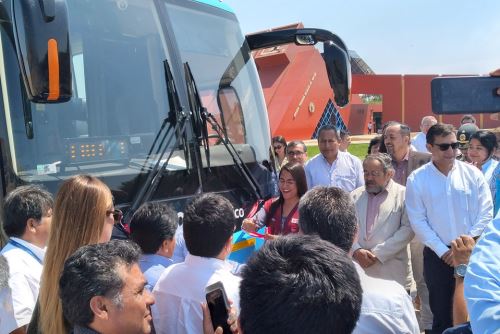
(83, 215)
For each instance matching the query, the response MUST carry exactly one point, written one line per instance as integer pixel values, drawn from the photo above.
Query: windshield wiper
(238, 161)
(171, 119)
(176, 116)
(221, 134)
(197, 108)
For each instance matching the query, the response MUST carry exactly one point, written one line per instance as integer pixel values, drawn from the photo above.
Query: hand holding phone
(218, 306)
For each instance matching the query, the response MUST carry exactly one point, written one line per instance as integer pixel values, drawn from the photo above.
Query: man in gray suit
(384, 230)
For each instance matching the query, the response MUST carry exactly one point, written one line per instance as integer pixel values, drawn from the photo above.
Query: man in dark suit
(405, 160)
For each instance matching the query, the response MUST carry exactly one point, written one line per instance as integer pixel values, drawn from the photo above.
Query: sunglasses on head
(445, 147)
(117, 215)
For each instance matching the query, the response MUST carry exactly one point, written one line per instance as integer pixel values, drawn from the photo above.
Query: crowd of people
(352, 246)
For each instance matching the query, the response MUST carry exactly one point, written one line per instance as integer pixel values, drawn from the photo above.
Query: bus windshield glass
(119, 92)
(210, 51)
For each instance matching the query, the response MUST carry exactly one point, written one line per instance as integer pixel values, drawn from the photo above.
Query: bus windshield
(119, 92)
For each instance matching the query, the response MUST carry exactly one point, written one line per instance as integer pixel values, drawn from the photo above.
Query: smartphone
(465, 95)
(218, 305)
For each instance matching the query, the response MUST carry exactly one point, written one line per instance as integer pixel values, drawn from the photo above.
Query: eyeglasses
(117, 214)
(445, 147)
(278, 147)
(374, 173)
(294, 153)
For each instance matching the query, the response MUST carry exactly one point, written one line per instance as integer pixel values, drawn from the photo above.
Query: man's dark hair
(298, 284)
(23, 203)
(91, 271)
(330, 213)
(329, 127)
(152, 224)
(294, 143)
(343, 134)
(438, 130)
(208, 223)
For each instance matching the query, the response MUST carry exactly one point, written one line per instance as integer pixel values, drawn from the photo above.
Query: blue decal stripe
(218, 4)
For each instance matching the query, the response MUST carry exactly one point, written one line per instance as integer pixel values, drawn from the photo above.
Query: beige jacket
(390, 236)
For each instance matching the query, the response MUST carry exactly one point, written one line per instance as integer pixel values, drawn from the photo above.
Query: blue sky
(395, 36)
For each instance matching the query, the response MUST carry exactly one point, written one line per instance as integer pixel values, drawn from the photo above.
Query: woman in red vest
(281, 214)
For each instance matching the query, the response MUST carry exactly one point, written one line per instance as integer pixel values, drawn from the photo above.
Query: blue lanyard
(24, 248)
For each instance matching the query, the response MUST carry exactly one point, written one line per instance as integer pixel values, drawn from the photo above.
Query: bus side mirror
(41, 35)
(337, 60)
(338, 67)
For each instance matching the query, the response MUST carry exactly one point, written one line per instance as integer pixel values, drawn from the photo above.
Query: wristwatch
(460, 270)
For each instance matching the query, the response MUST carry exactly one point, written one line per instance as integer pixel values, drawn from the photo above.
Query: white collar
(210, 262)
(35, 249)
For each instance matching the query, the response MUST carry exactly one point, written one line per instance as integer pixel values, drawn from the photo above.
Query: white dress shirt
(386, 307)
(8, 322)
(346, 172)
(419, 142)
(441, 208)
(181, 290)
(24, 279)
(180, 250)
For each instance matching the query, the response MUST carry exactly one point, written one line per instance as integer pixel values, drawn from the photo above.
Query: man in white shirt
(331, 167)
(419, 142)
(445, 198)
(27, 219)
(209, 224)
(386, 307)
(345, 140)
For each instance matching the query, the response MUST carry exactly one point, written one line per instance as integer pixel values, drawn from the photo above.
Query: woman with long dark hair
(482, 148)
(277, 153)
(280, 214)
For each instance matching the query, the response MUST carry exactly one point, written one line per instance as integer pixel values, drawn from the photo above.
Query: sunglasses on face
(278, 147)
(117, 215)
(445, 147)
